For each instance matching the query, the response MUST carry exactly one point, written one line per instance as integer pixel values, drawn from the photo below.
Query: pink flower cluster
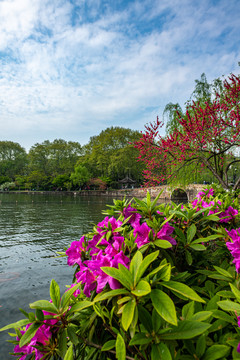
(41, 338)
(234, 247)
(107, 248)
(225, 216)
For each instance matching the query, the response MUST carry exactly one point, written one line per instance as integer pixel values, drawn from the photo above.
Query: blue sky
(71, 68)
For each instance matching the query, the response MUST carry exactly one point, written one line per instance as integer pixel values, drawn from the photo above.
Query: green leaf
(164, 244)
(235, 291)
(188, 310)
(160, 352)
(80, 306)
(201, 345)
(228, 305)
(55, 293)
(215, 352)
(127, 314)
(218, 314)
(191, 231)
(143, 288)
(183, 290)
(145, 264)
(223, 272)
(145, 318)
(120, 348)
(110, 294)
(135, 264)
(44, 305)
(197, 247)
(17, 324)
(29, 334)
(188, 257)
(206, 239)
(72, 333)
(108, 345)
(164, 306)
(186, 329)
(202, 315)
(69, 353)
(62, 343)
(118, 275)
(67, 296)
(140, 339)
(39, 315)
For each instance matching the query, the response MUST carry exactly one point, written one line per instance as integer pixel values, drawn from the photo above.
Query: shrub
(152, 281)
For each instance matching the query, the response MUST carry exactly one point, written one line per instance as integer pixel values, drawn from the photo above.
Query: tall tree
(13, 159)
(111, 154)
(208, 137)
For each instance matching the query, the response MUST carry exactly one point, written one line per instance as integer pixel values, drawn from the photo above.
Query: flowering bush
(152, 281)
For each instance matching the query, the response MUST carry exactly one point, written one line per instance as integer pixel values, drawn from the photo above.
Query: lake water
(32, 229)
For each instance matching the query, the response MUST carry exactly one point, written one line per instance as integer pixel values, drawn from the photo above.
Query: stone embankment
(167, 193)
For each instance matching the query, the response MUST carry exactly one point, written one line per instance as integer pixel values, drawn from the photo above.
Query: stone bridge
(174, 193)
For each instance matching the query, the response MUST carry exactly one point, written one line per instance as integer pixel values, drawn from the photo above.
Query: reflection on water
(32, 229)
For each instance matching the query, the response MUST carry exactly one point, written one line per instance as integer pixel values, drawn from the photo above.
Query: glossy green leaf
(140, 339)
(135, 264)
(145, 318)
(143, 288)
(17, 324)
(127, 314)
(62, 343)
(164, 244)
(67, 296)
(164, 305)
(39, 315)
(191, 231)
(110, 294)
(183, 290)
(120, 348)
(188, 257)
(160, 352)
(80, 306)
(228, 305)
(118, 275)
(188, 310)
(197, 247)
(218, 314)
(72, 333)
(223, 272)
(206, 239)
(201, 345)
(29, 334)
(69, 353)
(55, 293)
(186, 329)
(215, 352)
(145, 264)
(44, 305)
(235, 291)
(202, 315)
(109, 345)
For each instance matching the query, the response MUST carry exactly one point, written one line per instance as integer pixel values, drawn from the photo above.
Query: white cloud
(68, 70)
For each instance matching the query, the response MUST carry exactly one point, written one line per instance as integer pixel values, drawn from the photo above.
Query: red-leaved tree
(208, 136)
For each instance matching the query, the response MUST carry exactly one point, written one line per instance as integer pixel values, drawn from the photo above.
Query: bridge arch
(179, 196)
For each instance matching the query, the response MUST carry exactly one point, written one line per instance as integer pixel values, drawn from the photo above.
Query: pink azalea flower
(88, 278)
(135, 217)
(165, 232)
(234, 247)
(75, 251)
(142, 232)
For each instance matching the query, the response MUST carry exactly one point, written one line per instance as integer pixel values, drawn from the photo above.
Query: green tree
(13, 159)
(80, 176)
(110, 154)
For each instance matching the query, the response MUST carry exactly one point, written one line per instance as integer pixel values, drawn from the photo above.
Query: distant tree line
(61, 165)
